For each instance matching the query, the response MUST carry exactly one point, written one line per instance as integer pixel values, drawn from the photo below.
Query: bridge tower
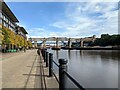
(57, 46)
(81, 43)
(43, 43)
(94, 38)
(35, 44)
(69, 43)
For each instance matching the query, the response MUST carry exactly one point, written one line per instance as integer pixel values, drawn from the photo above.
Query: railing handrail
(55, 63)
(69, 76)
(66, 73)
(74, 81)
(55, 76)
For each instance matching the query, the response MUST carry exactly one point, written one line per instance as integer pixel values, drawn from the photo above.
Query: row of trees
(10, 39)
(107, 40)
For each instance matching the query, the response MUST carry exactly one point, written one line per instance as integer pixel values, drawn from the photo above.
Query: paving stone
(25, 70)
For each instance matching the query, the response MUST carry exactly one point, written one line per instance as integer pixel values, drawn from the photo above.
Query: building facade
(7, 18)
(9, 21)
(21, 31)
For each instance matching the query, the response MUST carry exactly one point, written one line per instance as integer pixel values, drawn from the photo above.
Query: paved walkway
(50, 82)
(25, 70)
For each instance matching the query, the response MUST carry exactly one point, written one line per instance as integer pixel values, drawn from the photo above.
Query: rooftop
(8, 12)
(23, 30)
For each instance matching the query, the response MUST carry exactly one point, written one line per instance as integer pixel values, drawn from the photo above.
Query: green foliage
(107, 40)
(29, 44)
(10, 38)
(6, 36)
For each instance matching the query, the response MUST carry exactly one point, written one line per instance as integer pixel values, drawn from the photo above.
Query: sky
(67, 19)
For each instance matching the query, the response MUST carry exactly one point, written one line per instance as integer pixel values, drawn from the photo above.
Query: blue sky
(66, 19)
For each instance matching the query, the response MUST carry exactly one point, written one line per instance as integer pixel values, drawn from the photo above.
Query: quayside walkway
(25, 70)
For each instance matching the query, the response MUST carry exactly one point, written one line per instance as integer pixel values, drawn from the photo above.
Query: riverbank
(91, 48)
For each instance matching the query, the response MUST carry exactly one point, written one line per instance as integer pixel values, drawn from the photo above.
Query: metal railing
(48, 59)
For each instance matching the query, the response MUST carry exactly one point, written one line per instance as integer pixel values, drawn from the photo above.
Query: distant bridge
(62, 39)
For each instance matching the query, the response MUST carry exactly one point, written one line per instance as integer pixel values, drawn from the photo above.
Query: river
(91, 68)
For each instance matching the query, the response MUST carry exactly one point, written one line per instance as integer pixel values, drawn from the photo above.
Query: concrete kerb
(49, 81)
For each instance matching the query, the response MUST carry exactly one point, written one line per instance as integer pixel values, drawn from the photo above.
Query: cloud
(42, 32)
(90, 18)
(37, 32)
(83, 19)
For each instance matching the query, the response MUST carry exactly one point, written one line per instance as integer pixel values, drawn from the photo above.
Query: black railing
(62, 70)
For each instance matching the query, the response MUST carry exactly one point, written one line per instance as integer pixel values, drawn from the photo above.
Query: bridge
(62, 39)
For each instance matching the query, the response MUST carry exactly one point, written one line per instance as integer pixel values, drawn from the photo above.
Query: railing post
(50, 64)
(46, 59)
(38, 52)
(62, 68)
(44, 55)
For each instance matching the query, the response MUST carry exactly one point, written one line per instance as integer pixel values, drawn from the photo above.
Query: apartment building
(7, 18)
(21, 31)
(10, 21)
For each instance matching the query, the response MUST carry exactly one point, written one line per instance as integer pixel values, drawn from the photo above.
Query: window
(0, 15)
(13, 25)
(6, 20)
(9, 22)
(4, 17)
(5, 24)
(0, 21)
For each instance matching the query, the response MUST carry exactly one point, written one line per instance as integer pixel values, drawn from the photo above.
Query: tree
(29, 44)
(6, 36)
(107, 39)
(12, 39)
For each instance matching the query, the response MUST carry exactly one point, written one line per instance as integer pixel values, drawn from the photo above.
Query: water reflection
(93, 69)
(104, 54)
(69, 54)
(81, 53)
(57, 54)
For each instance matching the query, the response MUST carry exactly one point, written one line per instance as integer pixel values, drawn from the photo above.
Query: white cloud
(89, 18)
(41, 33)
(83, 19)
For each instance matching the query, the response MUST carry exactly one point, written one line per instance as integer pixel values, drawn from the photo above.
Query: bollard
(42, 52)
(46, 59)
(62, 68)
(38, 52)
(50, 64)
(45, 55)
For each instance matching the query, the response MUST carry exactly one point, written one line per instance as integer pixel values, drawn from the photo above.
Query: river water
(91, 68)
